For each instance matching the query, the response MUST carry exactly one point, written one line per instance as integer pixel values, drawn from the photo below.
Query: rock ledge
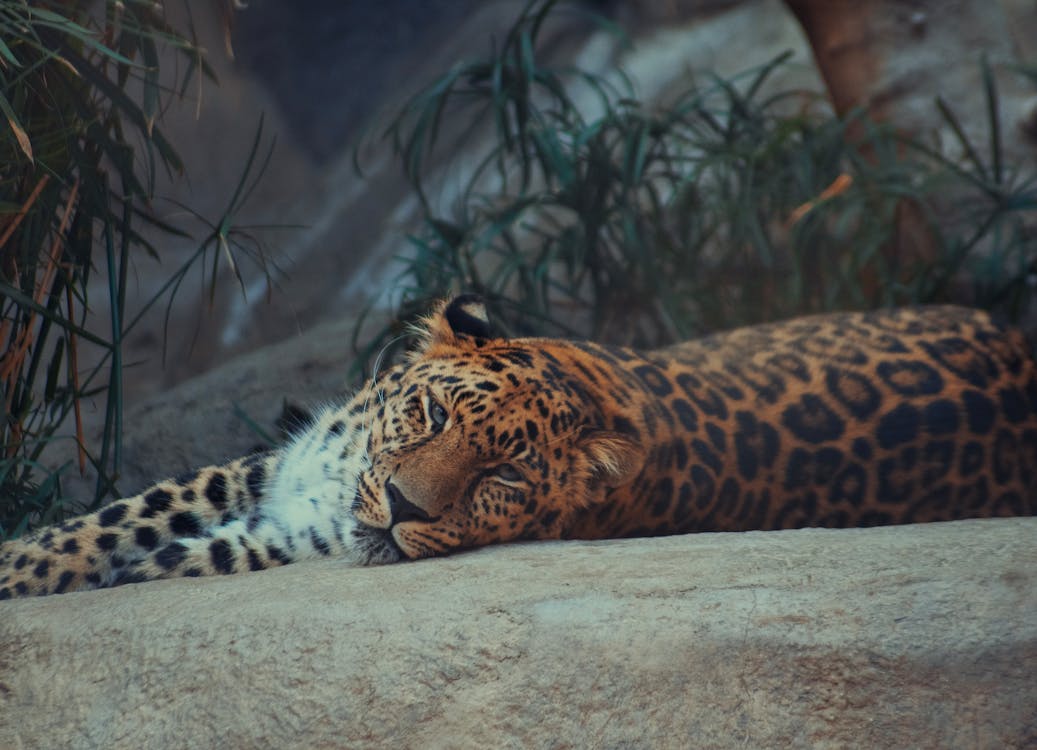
(911, 636)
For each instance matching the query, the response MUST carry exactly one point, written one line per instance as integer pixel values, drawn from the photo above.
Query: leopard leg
(294, 503)
(89, 551)
(231, 548)
(264, 540)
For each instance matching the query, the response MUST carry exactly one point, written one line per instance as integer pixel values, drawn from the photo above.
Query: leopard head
(478, 440)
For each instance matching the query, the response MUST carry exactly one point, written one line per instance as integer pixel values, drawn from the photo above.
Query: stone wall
(912, 636)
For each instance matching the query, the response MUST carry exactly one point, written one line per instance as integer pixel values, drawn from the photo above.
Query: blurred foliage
(643, 225)
(81, 96)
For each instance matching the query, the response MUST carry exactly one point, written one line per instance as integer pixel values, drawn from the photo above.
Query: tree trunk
(893, 58)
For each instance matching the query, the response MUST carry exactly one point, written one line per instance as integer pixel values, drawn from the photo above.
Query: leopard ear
(615, 458)
(463, 318)
(466, 315)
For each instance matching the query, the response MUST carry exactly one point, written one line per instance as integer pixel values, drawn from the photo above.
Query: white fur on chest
(306, 505)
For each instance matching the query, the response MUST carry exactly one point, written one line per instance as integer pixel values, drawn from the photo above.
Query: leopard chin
(373, 546)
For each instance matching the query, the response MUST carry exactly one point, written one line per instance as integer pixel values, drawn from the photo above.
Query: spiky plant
(81, 95)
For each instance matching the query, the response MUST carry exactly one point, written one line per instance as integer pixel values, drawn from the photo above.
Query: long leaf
(993, 119)
(82, 34)
(6, 290)
(16, 127)
(6, 53)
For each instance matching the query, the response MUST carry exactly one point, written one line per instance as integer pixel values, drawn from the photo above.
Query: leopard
(849, 419)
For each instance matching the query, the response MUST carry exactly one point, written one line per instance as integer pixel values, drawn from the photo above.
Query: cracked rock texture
(911, 636)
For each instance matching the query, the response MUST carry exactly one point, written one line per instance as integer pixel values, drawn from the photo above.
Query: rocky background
(326, 76)
(325, 88)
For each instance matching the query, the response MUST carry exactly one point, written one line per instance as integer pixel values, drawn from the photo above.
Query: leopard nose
(401, 508)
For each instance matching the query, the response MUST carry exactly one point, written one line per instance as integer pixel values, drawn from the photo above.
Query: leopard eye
(508, 473)
(437, 413)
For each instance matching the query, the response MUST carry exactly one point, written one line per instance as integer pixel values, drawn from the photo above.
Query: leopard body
(837, 420)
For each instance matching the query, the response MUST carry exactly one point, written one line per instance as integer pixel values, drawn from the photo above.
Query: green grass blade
(993, 120)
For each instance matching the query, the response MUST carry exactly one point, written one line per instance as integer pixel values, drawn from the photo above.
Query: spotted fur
(854, 419)
(250, 514)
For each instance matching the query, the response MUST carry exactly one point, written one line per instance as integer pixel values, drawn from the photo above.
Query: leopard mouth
(376, 546)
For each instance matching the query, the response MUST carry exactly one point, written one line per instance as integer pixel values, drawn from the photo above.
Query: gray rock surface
(912, 636)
